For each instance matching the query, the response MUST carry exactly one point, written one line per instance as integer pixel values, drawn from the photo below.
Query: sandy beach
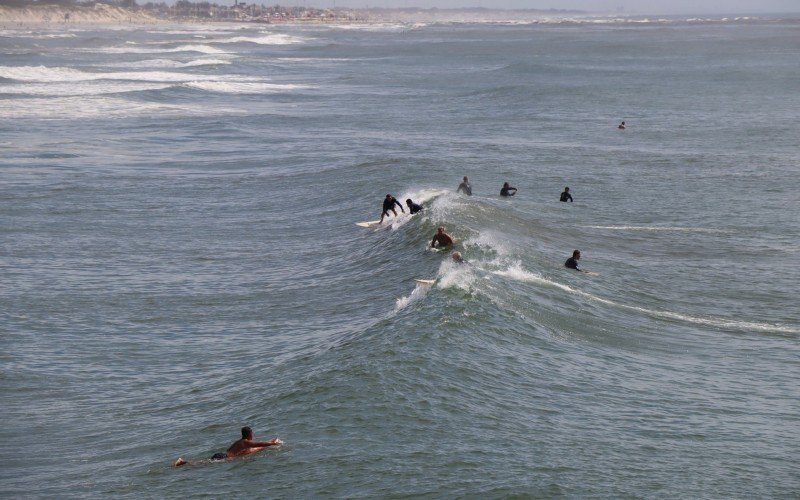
(53, 15)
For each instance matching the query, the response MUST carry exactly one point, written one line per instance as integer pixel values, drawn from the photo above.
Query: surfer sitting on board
(441, 238)
(572, 262)
(621, 126)
(565, 196)
(388, 204)
(464, 186)
(240, 448)
(413, 207)
(507, 190)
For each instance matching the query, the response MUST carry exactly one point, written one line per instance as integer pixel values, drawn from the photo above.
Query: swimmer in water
(565, 196)
(388, 204)
(464, 186)
(458, 259)
(572, 262)
(413, 207)
(621, 126)
(240, 448)
(441, 238)
(507, 190)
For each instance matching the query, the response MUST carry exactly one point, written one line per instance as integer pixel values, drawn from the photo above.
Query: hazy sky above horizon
(638, 6)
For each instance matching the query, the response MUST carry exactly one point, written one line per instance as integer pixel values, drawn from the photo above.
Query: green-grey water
(179, 258)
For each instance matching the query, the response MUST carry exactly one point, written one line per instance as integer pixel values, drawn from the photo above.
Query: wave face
(180, 258)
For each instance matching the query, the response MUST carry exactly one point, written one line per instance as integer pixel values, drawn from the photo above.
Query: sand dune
(51, 14)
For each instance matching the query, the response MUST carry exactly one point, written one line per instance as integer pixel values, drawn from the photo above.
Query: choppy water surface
(179, 258)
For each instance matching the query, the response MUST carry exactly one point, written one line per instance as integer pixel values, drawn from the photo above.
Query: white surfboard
(424, 282)
(368, 223)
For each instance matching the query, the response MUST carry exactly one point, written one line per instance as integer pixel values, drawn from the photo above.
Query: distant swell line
(662, 228)
(522, 275)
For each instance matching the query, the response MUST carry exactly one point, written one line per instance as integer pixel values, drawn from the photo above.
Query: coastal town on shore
(121, 11)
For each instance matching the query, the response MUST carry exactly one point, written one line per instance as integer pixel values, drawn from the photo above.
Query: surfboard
(424, 282)
(368, 223)
(592, 273)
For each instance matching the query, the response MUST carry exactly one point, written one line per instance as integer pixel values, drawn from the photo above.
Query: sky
(631, 6)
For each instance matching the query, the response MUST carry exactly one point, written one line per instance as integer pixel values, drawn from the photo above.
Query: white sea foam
(166, 63)
(266, 39)
(74, 108)
(516, 272)
(419, 292)
(57, 75)
(243, 87)
(203, 49)
(80, 88)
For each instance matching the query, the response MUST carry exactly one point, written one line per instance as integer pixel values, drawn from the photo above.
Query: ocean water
(178, 258)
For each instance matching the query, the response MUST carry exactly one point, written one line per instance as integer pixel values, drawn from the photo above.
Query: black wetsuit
(464, 186)
(565, 196)
(506, 191)
(414, 208)
(388, 204)
(572, 263)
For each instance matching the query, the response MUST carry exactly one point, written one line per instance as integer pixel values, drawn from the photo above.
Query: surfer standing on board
(240, 448)
(464, 186)
(441, 238)
(388, 204)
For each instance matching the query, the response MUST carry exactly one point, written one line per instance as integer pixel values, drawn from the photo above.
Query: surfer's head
(465, 179)
(247, 433)
(441, 229)
(566, 190)
(409, 202)
(457, 257)
(576, 254)
(505, 184)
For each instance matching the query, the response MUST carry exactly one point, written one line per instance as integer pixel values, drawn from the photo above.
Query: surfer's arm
(264, 444)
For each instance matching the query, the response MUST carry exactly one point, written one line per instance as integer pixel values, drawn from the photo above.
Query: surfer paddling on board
(441, 239)
(464, 186)
(240, 448)
(508, 190)
(413, 207)
(572, 262)
(565, 196)
(388, 204)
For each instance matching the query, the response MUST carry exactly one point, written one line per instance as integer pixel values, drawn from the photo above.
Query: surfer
(441, 238)
(572, 262)
(507, 190)
(464, 186)
(566, 196)
(413, 207)
(388, 204)
(458, 259)
(240, 448)
(621, 126)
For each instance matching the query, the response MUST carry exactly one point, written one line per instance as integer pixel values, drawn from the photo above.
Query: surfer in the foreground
(464, 186)
(388, 204)
(413, 207)
(240, 448)
(508, 190)
(572, 262)
(565, 196)
(441, 239)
